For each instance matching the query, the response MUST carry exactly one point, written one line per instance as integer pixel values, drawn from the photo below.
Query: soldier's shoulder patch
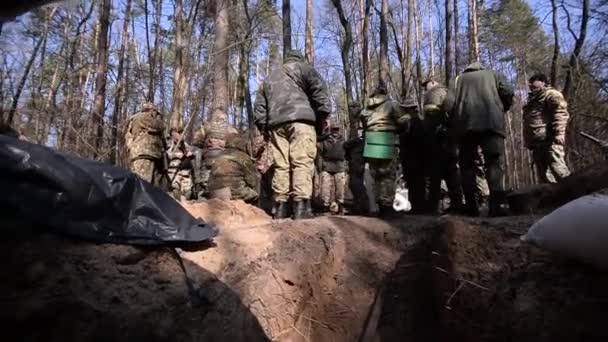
(553, 93)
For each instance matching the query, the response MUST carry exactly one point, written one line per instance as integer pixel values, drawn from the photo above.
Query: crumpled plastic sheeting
(90, 200)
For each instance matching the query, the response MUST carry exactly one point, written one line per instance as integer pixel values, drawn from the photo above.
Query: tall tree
(179, 72)
(456, 36)
(473, 32)
(286, 27)
(310, 44)
(347, 42)
(431, 40)
(101, 74)
(449, 40)
(364, 11)
(219, 105)
(384, 43)
(555, 58)
(418, 59)
(119, 98)
(409, 48)
(578, 48)
(23, 81)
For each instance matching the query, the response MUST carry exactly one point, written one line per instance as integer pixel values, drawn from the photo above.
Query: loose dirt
(415, 278)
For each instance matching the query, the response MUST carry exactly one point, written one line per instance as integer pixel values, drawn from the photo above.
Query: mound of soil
(350, 278)
(489, 287)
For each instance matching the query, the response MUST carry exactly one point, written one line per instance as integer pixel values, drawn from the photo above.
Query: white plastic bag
(579, 229)
(401, 201)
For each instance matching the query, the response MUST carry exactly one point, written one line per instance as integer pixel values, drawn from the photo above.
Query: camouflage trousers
(550, 161)
(182, 183)
(383, 171)
(332, 186)
(293, 151)
(146, 169)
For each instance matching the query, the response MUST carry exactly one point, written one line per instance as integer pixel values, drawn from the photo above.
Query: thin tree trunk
(384, 43)
(578, 47)
(473, 32)
(310, 44)
(449, 40)
(418, 60)
(407, 72)
(179, 75)
(157, 68)
(26, 72)
(101, 73)
(431, 42)
(555, 58)
(219, 106)
(456, 37)
(150, 95)
(121, 83)
(345, 54)
(286, 27)
(365, 11)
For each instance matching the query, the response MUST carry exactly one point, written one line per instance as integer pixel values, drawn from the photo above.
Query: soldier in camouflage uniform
(545, 120)
(235, 169)
(209, 141)
(145, 146)
(331, 150)
(382, 114)
(180, 170)
(289, 104)
(353, 150)
(264, 165)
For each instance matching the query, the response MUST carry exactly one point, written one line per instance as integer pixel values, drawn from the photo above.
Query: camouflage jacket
(144, 137)
(178, 158)
(383, 114)
(545, 116)
(293, 92)
(233, 169)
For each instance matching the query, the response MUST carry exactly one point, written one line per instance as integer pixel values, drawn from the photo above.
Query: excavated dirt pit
(415, 278)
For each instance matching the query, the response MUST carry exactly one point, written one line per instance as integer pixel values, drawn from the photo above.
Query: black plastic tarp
(89, 199)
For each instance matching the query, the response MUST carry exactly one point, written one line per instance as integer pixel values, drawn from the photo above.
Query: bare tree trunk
(407, 68)
(578, 47)
(179, 75)
(154, 56)
(345, 54)
(456, 37)
(384, 43)
(101, 59)
(286, 27)
(310, 44)
(473, 32)
(26, 72)
(121, 83)
(418, 60)
(555, 58)
(150, 95)
(219, 106)
(431, 42)
(449, 40)
(364, 11)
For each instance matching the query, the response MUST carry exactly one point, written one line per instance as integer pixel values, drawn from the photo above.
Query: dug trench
(349, 278)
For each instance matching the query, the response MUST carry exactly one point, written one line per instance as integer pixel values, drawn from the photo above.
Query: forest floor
(415, 278)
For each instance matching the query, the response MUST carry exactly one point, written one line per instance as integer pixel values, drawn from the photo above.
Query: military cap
(149, 106)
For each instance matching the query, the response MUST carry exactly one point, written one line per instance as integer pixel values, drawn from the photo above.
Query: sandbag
(579, 229)
(89, 199)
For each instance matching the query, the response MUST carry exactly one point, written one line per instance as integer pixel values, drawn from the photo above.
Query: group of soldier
(456, 136)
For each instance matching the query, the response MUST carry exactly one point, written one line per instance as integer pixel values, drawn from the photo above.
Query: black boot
(497, 199)
(301, 209)
(280, 210)
(471, 207)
